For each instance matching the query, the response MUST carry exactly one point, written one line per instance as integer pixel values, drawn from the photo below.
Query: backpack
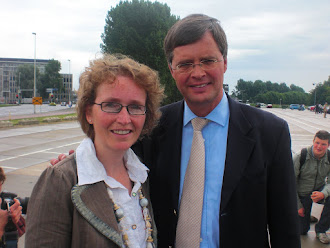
(303, 156)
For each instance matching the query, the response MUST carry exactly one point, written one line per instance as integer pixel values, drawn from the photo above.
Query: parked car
(294, 106)
(311, 108)
(269, 105)
(63, 103)
(45, 102)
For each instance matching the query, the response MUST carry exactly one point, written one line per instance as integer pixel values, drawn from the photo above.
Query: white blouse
(90, 170)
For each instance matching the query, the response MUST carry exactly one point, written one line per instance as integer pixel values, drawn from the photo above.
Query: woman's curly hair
(106, 70)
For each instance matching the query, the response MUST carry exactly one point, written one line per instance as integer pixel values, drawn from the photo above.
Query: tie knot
(198, 123)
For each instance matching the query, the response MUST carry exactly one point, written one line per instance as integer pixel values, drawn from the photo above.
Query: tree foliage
(25, 76)
(137, 28)
(269, 92)
(51, 78)
(321, 93)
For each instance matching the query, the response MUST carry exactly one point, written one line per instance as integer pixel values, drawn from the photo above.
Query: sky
(278, 41)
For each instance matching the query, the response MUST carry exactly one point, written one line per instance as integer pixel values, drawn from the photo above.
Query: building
(10, 82)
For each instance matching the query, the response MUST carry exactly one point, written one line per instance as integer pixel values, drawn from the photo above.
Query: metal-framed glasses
(115, 107)
(206, 64)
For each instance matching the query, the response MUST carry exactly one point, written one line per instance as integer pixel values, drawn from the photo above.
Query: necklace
(120, 215)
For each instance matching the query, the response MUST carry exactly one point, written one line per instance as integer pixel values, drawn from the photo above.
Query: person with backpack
(312, 169)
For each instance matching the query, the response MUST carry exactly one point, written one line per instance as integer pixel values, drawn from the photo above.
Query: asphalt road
(25, 152)
(27, 111)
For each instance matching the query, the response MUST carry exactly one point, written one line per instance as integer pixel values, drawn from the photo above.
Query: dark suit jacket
(258, 190)
(63, 214)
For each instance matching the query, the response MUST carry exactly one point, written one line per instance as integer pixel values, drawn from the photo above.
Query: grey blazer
(63, 214)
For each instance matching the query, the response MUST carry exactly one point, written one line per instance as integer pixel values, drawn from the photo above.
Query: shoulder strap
(303, 156)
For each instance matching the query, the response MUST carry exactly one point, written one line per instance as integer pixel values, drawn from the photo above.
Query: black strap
(303, 156)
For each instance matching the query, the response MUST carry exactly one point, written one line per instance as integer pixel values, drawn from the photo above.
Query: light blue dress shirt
(215, 135)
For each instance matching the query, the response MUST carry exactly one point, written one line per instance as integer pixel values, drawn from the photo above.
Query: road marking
(11, 168)
(46, 150)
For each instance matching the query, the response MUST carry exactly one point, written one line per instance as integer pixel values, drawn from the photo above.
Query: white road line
(11, 168)
(46, 150)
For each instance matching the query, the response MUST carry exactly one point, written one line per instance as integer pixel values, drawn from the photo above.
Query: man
(249, 178)
(313, 186)
(325, 109)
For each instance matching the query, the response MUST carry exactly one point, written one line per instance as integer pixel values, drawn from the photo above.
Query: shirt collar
(90, 170)
(219, 115)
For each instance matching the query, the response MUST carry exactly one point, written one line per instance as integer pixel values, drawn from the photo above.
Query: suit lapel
(94, 204)
(239, 148)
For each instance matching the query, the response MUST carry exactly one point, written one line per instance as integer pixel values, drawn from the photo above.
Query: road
(27, 111)
(25, 152)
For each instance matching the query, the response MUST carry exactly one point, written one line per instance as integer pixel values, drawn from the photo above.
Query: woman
(98, 197)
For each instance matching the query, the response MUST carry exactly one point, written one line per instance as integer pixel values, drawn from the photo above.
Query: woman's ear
(89, 115)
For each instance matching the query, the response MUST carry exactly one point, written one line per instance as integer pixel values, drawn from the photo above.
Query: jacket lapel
(238, 143)
(94, 204)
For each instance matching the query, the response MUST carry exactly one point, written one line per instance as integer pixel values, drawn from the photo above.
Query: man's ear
(171, 70)
(225, 64)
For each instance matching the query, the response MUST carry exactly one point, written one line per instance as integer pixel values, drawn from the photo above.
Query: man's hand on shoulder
(60, 158)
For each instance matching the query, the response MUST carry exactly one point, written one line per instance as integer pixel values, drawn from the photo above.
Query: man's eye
(208, 61)
(184, 66)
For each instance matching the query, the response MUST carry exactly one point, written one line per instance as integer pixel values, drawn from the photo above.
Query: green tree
(296, 88)
(321, 93)
(51, 78)
(137, 28)
(25, 78)
(269, 92)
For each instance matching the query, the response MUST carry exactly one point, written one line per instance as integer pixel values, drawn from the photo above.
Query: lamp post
(69, 83)
(34, 81)
(315, 94)
(19, 86)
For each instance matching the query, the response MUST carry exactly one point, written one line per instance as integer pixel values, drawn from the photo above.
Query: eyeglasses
(206, 64)
(114, 108)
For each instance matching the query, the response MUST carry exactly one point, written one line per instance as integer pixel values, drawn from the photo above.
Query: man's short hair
(191, 29)
(323, 135)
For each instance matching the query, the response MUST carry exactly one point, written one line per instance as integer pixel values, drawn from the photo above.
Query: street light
(34, 81)
(315, 95)
(19, 86)
(69, 83)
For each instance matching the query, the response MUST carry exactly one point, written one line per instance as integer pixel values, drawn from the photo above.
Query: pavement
(22, 181)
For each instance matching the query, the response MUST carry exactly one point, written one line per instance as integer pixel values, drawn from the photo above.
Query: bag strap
(303, 156)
